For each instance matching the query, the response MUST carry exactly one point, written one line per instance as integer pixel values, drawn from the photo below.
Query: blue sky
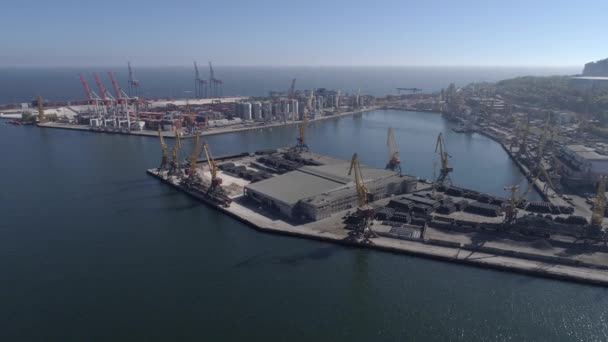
(232, 32)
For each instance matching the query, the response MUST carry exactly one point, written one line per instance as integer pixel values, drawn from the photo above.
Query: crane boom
(362, 192)
(192, 174)
(443, 156)
(211, 74)
(102, 89)
(86, 87)
(115, 85)
(215, 180)
(365, 213)
(163, 149)
(40, 103)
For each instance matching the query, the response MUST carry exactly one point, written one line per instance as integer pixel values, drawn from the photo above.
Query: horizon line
(146, 65)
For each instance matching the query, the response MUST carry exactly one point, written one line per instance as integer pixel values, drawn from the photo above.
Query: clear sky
(258, 32)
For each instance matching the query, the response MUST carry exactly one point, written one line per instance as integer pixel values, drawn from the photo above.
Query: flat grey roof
(293, 186)
(339, 172)
(311, 181)
(586, 152)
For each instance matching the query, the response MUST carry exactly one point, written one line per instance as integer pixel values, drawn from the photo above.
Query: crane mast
(164, 161)
(41, 117)
(192, 174)
(133, 83)
(444, 171)
(174, 167)
(215, 180)
(365, 213)
(394, 162)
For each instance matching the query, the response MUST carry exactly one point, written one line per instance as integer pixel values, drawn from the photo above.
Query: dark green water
(91, 248)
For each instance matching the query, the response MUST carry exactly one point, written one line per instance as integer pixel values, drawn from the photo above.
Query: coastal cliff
(599, 68)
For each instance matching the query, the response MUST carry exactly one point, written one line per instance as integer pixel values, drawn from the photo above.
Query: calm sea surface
(93, 249)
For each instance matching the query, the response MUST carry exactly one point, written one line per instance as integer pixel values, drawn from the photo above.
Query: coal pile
(296, 157)
(280, 164)
(447, 207)
(385, 214)
(575, 219)
(401, 204)
(483, 209)
(402, 217)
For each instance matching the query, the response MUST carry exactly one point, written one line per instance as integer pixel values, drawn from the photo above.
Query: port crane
(121, 102)
(92, 98)
(301, 145)
(365, 212)
(40, 103)
(200, 85)
(444, 171)
(174, 166)
(133, 83)
(215, 180)
(394, 162)
(164, 161)
(192, 175)
(599, 206)
(214, 83)
(514, 199)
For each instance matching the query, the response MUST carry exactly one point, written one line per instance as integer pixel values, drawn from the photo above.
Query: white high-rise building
(256, 110)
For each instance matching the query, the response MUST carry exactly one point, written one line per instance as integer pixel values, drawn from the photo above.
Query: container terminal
(117, 111)
(295, 191)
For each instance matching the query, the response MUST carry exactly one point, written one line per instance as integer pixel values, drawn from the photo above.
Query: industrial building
(582, 165)
(316, 192)
(243, 110)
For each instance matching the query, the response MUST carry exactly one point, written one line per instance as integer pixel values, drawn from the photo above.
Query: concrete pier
(434, 244)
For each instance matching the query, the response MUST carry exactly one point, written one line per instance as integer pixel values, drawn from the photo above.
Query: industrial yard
(298, 192)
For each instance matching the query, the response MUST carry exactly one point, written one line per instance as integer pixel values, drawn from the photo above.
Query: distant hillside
(554, 92)
(599, 68)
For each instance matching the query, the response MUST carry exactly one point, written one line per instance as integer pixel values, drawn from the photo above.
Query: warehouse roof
(293, 186)
(339, 172)
(586, 152)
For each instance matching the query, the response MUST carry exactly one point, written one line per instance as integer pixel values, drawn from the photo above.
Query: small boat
(14, 122)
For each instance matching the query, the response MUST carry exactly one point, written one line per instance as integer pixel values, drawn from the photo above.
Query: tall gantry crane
(214, 83)
(133, 83)
(92, 97)
(599, 206)
(365, 213)
(394, 162)
(122, 101)
(444, 171)
(164, 161)
(200, 85)
(40, 103)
